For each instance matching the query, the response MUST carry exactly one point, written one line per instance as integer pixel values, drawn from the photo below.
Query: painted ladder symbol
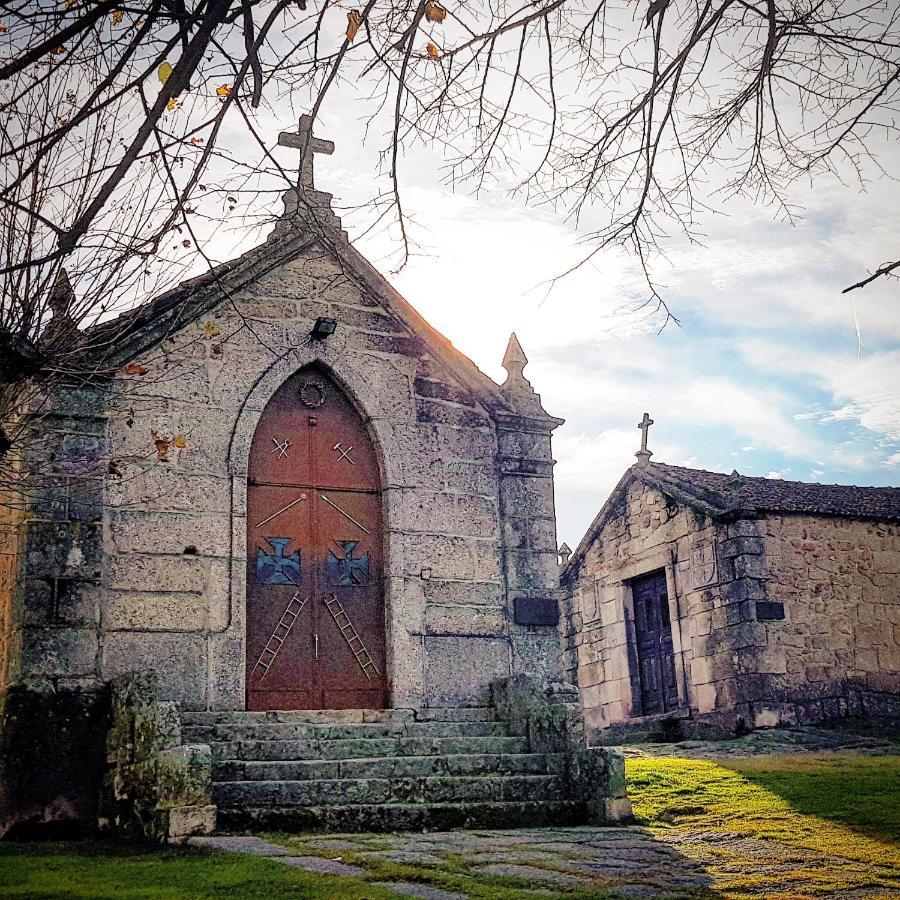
(351, 636)
(273, 647)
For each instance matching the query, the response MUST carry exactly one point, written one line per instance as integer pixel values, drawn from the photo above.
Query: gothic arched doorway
(315, 609)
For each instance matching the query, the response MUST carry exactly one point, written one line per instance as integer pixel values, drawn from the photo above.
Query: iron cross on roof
(308, 145)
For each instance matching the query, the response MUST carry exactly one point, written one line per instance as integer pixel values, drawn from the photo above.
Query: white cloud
(865, 390)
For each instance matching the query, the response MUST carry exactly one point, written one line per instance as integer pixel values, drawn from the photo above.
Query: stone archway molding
(352, 371)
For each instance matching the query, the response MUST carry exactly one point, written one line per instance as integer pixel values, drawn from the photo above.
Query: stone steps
(380, 817)
(298, 731)
(361, 748)
(378, 769)
(337, 716)
(431, 789)
(384, 767)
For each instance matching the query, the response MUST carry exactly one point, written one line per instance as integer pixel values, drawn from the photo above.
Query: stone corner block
(618, 811)
(184, 775)
(597, 780)
(548, 714)
(740, 546)
(187, 821)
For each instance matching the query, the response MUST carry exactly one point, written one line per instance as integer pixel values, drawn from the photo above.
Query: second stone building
(705, 602)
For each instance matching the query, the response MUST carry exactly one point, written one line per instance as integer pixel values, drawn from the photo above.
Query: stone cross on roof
(644, 454)
(308, 145)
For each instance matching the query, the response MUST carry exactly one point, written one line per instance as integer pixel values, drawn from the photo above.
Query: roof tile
(777, 495)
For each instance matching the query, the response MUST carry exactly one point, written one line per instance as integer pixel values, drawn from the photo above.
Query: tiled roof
(735, 496)
(735, 492)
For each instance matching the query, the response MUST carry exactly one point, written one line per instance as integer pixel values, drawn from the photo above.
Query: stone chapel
(703, 604)
(294, 546)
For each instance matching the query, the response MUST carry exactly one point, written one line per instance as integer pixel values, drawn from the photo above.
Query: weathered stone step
(275, 731)
(431, 789)
(386, 767)
(342, 716)
(287, 750)
(402, 816)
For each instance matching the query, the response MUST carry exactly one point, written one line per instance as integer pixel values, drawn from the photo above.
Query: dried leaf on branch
(432, 50)
(434, 12)
(354, 20)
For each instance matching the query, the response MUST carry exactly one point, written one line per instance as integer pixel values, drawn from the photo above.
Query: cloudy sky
(772, 370)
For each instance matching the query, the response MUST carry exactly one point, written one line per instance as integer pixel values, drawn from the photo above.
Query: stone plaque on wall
(703, 564)
(535, 611)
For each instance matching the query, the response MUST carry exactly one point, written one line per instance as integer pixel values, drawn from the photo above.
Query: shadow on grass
(859, 792)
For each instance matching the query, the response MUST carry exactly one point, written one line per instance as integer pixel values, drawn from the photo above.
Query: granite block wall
(837, 651)
(780, 619)
(134, 555)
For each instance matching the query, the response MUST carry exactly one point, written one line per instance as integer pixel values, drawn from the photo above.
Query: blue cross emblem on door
(278, 567)
(347, 571)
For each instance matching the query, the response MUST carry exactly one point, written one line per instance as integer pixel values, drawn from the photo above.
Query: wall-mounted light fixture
(323, 328)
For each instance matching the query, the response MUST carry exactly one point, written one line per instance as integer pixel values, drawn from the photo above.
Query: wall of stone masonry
(648, 532)
(834, 581)
(145, 569)
(837, 650)
(61, 540)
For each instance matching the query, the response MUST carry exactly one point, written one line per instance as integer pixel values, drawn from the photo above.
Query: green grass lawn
(108, 871)
(840, 811)
(843, 806)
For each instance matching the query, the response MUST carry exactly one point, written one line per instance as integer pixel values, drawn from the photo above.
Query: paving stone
(251, 844)
(507, 870)
(411, 857)
(420, 890)
(319, 865)
(334, 844)
(638, 890)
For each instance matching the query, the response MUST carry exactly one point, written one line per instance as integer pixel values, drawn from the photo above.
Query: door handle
(316, 645)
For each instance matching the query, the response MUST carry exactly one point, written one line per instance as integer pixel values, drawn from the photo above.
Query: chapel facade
(233, 460)
(705, 603)
(285, 498)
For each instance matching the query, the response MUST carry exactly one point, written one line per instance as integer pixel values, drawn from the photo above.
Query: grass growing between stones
(453, 873)
(780, 826)
(457, 871)
(102, 871)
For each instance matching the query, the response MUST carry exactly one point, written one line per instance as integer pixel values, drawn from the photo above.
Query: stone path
(579, 862)
(542, 863)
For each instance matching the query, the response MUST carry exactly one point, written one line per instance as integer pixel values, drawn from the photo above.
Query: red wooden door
(315, 613)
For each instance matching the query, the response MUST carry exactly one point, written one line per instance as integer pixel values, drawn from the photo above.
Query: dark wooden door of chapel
(655, 653)
(315, 612)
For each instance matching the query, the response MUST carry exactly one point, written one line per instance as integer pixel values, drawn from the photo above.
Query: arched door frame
(353, 373)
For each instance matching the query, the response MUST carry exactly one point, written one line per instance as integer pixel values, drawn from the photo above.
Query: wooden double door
(653, 636)
(315, 611)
